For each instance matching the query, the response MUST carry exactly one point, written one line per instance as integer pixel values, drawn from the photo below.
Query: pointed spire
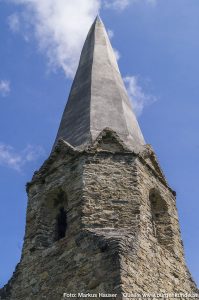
(98, 18)
(98, 98)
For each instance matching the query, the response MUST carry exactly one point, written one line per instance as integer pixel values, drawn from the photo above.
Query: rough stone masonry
(101, 219)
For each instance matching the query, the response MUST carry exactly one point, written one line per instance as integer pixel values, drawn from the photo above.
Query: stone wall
(122, 228)
(157, 265)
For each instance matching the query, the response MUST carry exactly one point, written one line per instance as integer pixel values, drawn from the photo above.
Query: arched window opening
(61, 224)
(161, 222)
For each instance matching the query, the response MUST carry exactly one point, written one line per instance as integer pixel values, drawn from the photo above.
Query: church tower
(101, 217)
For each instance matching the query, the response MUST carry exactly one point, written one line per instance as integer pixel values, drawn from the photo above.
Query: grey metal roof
(98, 98)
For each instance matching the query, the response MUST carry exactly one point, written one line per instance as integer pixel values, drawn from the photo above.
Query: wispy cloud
(60, 28)
(14, 22)
(117, 4)
(110, 33)
(9, 157)
(138, 97)
(4, 87)
(117, 54)
(123, 4)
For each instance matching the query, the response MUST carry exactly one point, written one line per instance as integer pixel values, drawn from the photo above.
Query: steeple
(101, 222)
(98, 98)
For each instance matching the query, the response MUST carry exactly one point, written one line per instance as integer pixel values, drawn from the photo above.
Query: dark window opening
(161, 222)
(60, 198)
(61, 224)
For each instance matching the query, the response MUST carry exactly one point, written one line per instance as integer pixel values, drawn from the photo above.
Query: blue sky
(158, 45)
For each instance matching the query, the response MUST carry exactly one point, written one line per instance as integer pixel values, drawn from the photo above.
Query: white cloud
(123, 4)
(14, 22)
(116, 4)
(60, 28)
(16, 160)
(136, 94)
(110, 33)
(117, 53)
(4, 87)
